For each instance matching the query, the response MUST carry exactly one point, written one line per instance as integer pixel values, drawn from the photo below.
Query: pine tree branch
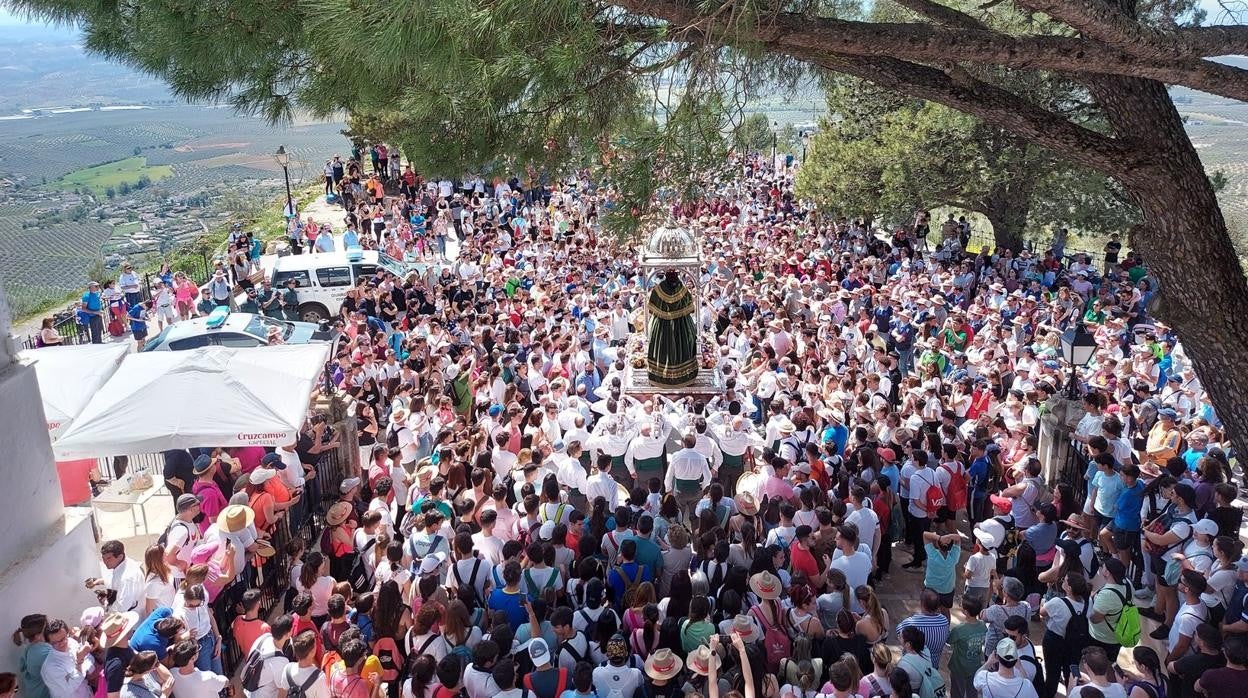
(1104, 22)
(943, 15)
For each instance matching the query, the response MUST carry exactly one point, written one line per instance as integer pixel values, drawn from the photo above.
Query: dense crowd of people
(520, 524)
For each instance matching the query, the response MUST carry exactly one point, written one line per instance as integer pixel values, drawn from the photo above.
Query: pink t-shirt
(248, 457)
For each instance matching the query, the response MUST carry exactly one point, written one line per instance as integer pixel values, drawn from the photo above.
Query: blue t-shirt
(838, 435)
(92, 301)
(511, 604)
(942, 568)
(145, 638)
(618, 586)
(1190, 457)
(1127, 513)
(137, 323)
(893, 474)
(1107, 488)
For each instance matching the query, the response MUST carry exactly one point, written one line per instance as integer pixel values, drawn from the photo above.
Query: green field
(113, 174)
(127, 228)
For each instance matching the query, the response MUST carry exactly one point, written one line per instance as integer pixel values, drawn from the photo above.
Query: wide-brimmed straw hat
(702, 659)
(663, 665)
(766, 585)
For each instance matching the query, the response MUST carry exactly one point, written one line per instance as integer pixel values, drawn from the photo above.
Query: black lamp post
(283, 159)
(775, 126)
(805, 144)
(1078, 347)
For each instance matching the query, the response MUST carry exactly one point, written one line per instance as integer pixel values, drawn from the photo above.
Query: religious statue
(672, 343)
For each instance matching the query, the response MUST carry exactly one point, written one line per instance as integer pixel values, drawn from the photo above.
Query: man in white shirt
(121, 575)
(688, 472)
(1001, 675)
(864, 517)
(189, 682)
(644, 458)
(304, 674)
(488, 545)
(602, 484)
(64, 671)
(851, 560)
(470, 569)
(267, 650)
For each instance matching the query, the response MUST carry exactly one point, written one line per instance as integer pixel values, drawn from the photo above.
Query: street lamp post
(775, 126)
(283, 159)
(805, 144)
(1078, 347)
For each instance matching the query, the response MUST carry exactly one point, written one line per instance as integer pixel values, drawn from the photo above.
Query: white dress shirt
(687, 464)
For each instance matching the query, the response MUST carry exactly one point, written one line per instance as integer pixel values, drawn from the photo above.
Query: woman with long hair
(146, 677)
(420, 681)
(742, 554)
(1056, 613)
(391, 617)
(643, 595)
(835, 599)
(899, 681)
(802, 618)
(158, 589)
(676, 603)
(645, 639)
(876, 682)
(1222, 577)
(845, 639)
(792, 667)
(457, 627)
(314, 578)
(874, 624)
(1151, 680)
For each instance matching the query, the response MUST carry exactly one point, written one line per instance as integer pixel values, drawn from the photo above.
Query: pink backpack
(775, 641)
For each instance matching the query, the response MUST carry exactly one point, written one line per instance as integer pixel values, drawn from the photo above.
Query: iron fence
(197, 267)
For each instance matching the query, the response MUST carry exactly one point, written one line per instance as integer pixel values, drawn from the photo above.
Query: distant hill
(46, 67)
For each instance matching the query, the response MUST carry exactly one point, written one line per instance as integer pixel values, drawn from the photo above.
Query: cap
(1205, 526)
(547, 531)
(259, 476)
(274, 460)
(432, 563)
(496, 410)
(186, 501)
(538, 651)
(887, 454)
(1007, 650)
(1241, 565)
(1168, 413)
(349, 484)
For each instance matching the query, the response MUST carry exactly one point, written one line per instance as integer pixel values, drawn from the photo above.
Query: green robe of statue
(672, 344)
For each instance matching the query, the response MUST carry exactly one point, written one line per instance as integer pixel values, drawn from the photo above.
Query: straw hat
(235, 518)
(785, 426)
(745, 628)
(746, 503)
(1073, 521)
(265, 549)
(338, 513)
(663, 665)
(116, 627)
(702, 659)
(765, 585)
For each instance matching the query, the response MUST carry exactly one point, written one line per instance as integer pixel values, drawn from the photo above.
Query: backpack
(775, 641)
(467, 592)
(163, 540)
(1077, 636)
(591, 624)
(558, 514)
(254, 668)
(390, 658)
(1043, 495)
(931, 683)
(361, 579)
(629, 585)
(561, 681)
(956, 497)
(1127, 629)
(935, 497)
(534, 592)
(1037, 681)
(299, 691)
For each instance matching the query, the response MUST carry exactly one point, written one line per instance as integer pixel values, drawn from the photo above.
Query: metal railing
(197, 267)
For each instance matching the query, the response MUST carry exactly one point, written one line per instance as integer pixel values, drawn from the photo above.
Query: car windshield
(259, 327)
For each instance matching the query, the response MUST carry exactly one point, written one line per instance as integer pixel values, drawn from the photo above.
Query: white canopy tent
(69, 375)
(214, 396)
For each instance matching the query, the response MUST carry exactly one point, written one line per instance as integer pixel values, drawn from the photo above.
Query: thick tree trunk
(1204, 293)
(1006, 207)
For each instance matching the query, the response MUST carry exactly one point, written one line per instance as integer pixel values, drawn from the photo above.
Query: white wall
(30, 493)
(50, 579)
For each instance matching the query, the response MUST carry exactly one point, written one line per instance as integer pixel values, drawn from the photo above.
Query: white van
(324, 278)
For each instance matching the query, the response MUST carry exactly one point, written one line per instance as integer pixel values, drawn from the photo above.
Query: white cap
(432, 563)
(547, 531)
(1206, 526)
(259, 476)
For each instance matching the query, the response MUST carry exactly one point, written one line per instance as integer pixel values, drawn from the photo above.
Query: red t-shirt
(880, 505)
(800, 560)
